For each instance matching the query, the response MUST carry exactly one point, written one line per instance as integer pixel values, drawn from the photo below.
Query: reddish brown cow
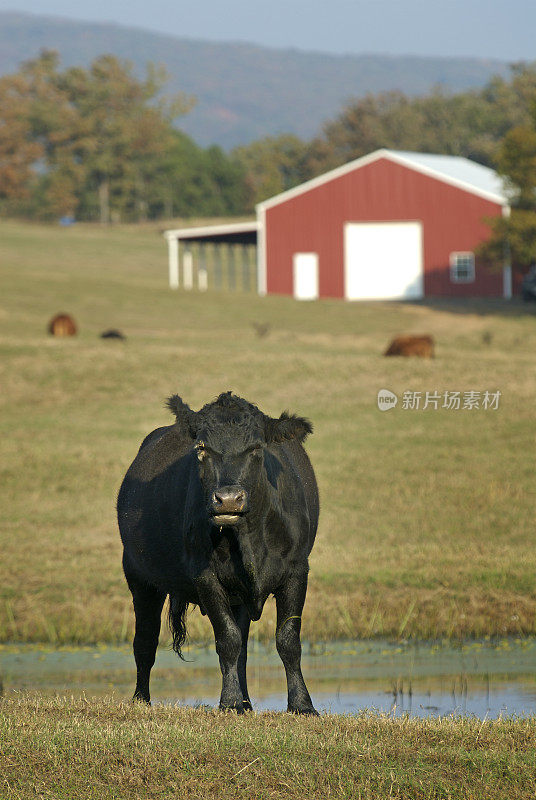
(62, 325)
(422, 346)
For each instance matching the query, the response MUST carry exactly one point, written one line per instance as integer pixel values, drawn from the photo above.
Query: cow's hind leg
(289, 602)
(242, 619)
(148, 603)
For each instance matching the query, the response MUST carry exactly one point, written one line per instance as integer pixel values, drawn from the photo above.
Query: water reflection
(486, 679)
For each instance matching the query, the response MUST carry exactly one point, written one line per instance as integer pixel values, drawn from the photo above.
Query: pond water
(482, 678)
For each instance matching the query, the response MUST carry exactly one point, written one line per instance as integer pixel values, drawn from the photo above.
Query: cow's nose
(229, 500)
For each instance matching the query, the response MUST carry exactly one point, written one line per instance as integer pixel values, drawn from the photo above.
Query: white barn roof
(455, 170)
(458, 169)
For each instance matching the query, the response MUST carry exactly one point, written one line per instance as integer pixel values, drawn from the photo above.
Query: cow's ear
(288, 426)
(184, 415)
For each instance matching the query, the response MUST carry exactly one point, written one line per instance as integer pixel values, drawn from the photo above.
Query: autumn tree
(55, 126)
(124, 132)
(90, 138)
(18, 150)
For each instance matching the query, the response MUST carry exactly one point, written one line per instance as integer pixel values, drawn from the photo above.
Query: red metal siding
(381, 191)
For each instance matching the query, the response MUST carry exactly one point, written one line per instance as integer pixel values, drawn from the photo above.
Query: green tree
(274, 164)
(190, 181)
(382, 120)
(513, 239)
(516, 162)
(469, 124)
(231, 194)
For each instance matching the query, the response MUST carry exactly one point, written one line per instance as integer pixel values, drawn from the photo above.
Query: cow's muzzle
(228, 504)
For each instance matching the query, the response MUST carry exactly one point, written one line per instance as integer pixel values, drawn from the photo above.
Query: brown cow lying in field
(62, 325)
(422, 346)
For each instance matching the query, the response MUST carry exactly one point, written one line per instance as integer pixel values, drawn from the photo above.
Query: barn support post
(217, 267)
(219, 256)
(252, 268)
(245, 275)
(507, 282)
(507, 266)
(173, 261)
(262, 281)
(188, 269)
(202, 273)
(231, 267)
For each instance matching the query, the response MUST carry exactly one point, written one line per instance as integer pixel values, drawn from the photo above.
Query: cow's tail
(177, 623)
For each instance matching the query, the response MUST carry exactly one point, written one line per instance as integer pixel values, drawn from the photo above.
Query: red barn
(390, 225)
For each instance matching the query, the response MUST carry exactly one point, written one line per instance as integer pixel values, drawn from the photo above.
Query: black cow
(221, 510)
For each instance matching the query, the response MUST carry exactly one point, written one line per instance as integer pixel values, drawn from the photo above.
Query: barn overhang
(235, 233)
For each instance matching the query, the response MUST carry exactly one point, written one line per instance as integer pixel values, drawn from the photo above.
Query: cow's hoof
(238, 707)
(306, 711)
(141, 698)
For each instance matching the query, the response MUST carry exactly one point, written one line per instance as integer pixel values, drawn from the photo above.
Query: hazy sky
(503, 29)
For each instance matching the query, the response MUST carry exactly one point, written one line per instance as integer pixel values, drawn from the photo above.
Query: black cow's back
(152, 505)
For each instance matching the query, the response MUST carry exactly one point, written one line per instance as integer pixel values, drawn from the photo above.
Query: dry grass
(427, 516)
(106, 750)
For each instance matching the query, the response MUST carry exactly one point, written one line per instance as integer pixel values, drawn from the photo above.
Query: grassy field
(426, 515)
(104, 750)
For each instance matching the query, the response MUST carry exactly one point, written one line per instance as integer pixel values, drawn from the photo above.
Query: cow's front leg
(289, 602)
(243, 620)
(228, 641)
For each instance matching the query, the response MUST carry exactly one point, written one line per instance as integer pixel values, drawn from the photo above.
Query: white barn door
(383, 260)
(305, 272)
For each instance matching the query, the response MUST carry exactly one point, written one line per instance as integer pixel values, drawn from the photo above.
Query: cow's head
(229, 437)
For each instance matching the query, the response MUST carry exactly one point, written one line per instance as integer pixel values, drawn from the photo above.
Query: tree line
(99, 143)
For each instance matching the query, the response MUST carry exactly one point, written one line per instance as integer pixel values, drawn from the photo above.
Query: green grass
(103, 749)
(106, 750)
(426, 516)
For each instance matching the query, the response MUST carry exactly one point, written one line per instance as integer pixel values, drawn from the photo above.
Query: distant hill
(244, 92)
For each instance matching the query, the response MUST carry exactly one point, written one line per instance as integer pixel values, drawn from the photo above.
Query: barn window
(462, 267)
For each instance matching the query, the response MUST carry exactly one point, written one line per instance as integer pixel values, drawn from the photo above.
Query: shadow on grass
(483, 306)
